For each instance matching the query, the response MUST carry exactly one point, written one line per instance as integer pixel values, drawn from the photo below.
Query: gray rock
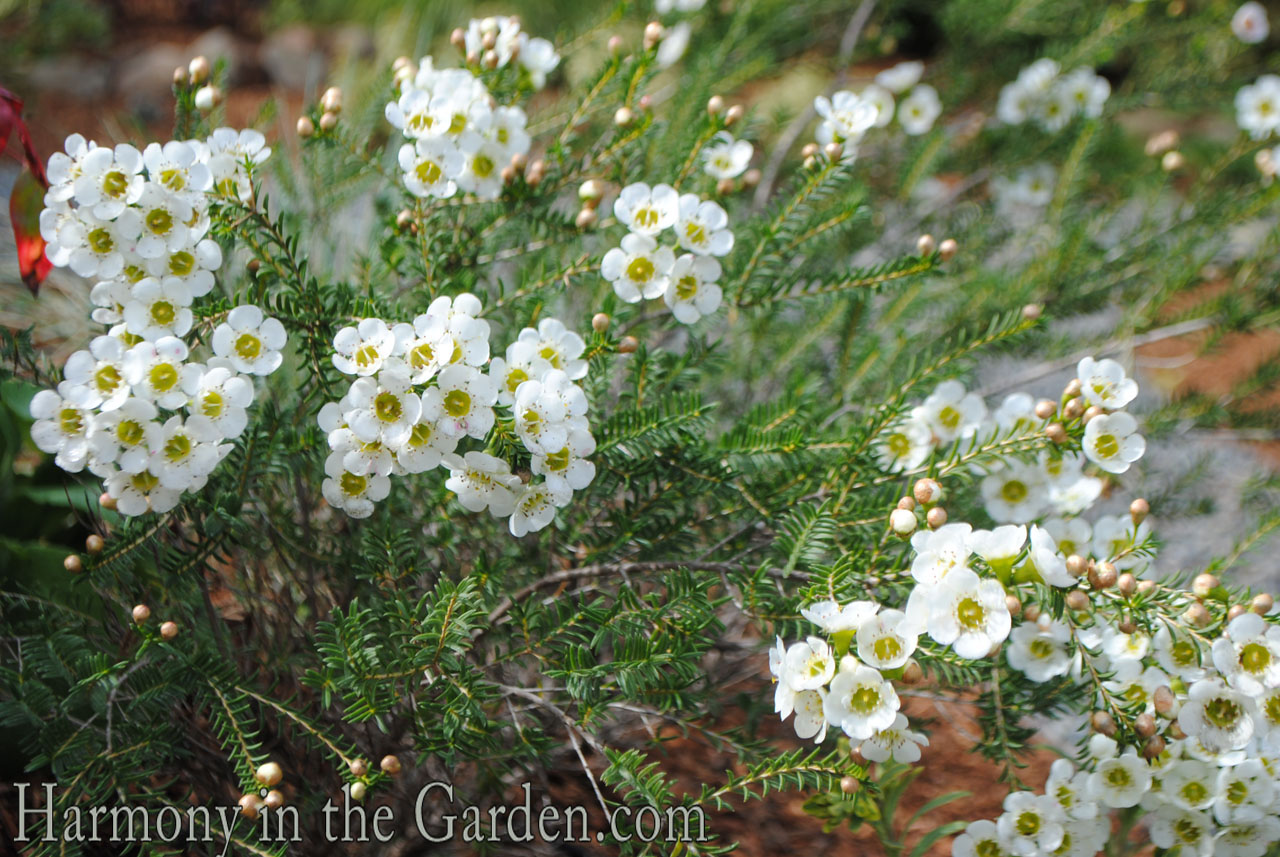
(79, 77)
(293, 58)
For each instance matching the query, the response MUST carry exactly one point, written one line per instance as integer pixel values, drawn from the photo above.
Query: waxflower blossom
(860, 701)
(1258, 107)
(639, 268)
(919, 110)
(645, 210)
(1111, 442)
(896, 742)
(250, 340)
(1104, 383)
(1249, 24)
(726, 158)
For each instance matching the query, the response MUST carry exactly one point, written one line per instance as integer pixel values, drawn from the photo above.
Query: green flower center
(516, 377)
(163, 313)
(1237, 792)
(387, 407)
(949, 417)
(177, 447)
(133, 273)
(421, 356)
(70, 421)
(1028, 823)
(144, 482)
(115, 183)
(458, 124)
(181, 263)
(695, 232)
(173, 178)
(353, 485)
(970, 614)
(211, 404)
(1118, 777)
(1271, 708)
(647, 217)
(865, 699)
(1183, 653)
(129, 432)
(1187, 830)
(1014, 491)
(248, 346)
(457, 403)
(898, 444)
(887, 648)
(100, 241)
(686, 287)
(159, 221)
(988, 848)
(551, 354)
(428, 172)
(1041, 649)
(557, 461)
(1194, 792)
(421, 434)
(162, 377)
(482, 166)
(1222, 713)
(1255, 658)
(640, 270)
(1106, 445)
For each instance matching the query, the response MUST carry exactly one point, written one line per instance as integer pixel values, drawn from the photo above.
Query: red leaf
(26, 201)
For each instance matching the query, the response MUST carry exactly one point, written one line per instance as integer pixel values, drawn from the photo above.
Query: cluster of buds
(196, 73)
(926, 494)
(142, 613)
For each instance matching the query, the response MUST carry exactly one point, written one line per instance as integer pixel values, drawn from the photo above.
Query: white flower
(1116, 535)
(1190, 783)
(67, 166)
(1014, 493)
(1015, 103)
(462, 402)
(383, 411)
(1111, 441)
(1120, 781)
(919, 110)
(1022, 199)
(251, 341)
(1180, 656)
(1032, 824)
(1248, 654)
(1071, 535)
(175, 168)
(520, 365)
(535, 508)
(811, 718)
(1047, 560)
(968, 614)
(193, 266)
(860, 701)
(431, 167)
(1244, 792)
(1190, 831)
(482, 482)
(221, 396)
(545, 410)
(158, 308)
(980, 839)
(1249, 23)
(1069, 790)
(673, 45)
(896, 742)
(1039, 650)
(1086, 92)
(1247, 838)
(353, 493)
(539, 57)
(905, 446)
(1221, 717)
(886, 641)
(809, 665)
(702, 227)
(361, 350)
(482, 174)
(164, 223)
(845, 117)
(952, 413)
(999, 547)
(156, 371)
(783, 696)
(460, 316)
(124, 437)
(1119, 646)
(1258, 107)
(1016, 410)
(556, 345)
(96, 247)
(109, 180)
(647, 211)
(901, 77)
(638, 269)
(568, 466)
(940, 552)
(1267, 718)
(1105, 384)
(507, 130)
(834, 619)
(232, 155)
(136, 493)
(882, 100)
(692, 291)
(725, 157)
(424, 447)
(422, 349)
(186, 452)
(61, 427)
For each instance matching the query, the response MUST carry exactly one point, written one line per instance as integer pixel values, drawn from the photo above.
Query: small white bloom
(896, 742)
(692, 291)
(887, 640)
(137, 493)
(834, 619)
(1258, 107)
(1190, 783)
(193, 266)
(901, 77)
(906, 445)
(647, 211)
(999, 547)
(1046, 557)
(1221, 717)
(353, 493)
(1104, 383)
(383, 411)
(109, 180)
(555, 345)
(186, 453)
(174, 166)
(811, 718)
(845, 117)
(1190, 831)
(952, 413)
(482, 174)
(1244, 793)
(251, 341)
(1014, 492)
(1039, 650)
(546, 409)
(431, 167)
(1248, 654)
(158, 308)
(1180, 655)
(882, 100)
(361, 350)
(860, 701)
(1247, 838)
(968, 614)
(61, 427)
(702, 227)
(462, 402)
(1111, 441)
(535, 508)
(919, 110)
(1115, 538)
(1072, 535)
(809, 665)
(725, 157)
(568, 466)
(221, 396)
(1120, 781)
(1249, 23)
(482, 482)
(1032, 824)
(539, 57)
(157, 371)
(980, 839)
(940, 552)
(424, 447)
(1070, 790)
(520, 365)
(124, 437)
(639, 268)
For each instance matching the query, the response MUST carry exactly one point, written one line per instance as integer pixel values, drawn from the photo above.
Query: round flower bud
(925, 245)
(458, 38)
(733, 114)
(1154, 747)
(73, 564)
(902, 522)
(274, 799)
(912, 673)
(645, 103)
(269, 774)
(404, 62)
(1164, 701)
(328, 121)
(751, 177)
(490, 59)
(199, 70)
(331, 101)
(715, 105)
(180, 77)
(1146, 586)
(591, 189)
(1127, 627)
(358, 791)
(1090, 412)
(1056, 432)
(908, 503)
(1203, 584)
(1172, 161)
(833, 151)
(488, 40)
(653, 34)
(948, 249)
(390, 765)
(1074, 408)
(1045, 409)
(600, 322)
(848, 785)
(508, 174)
(1261, 604)
(724, 187)
(809, 150)
(536, 172)
(1013, 605)
(1175, 730)
(1197, 615)
(305, 127)
(106, 501)
(1102, 723)
(1077, 600)
(1073, 388)
(936, 517)
(141, 613)
(250, 805)
(94, 544)
(622, 117)
(1138, 511)
(614, 44)
(169, 630)
(927, 491)
(358, 767)
(404, 219)
(1161, 142)
(207, 98)
(1031, 312)
(628, 345)
(1102, 576)
(1031, 612)
(253, 266)
(586, 218)
(1236, 610)
(1077, 565)
(1127, 584)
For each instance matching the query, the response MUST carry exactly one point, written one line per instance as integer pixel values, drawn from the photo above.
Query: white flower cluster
(1042, 94)
(459, 138)
(136, 222)
(502, 35)
(725, 157)
(1258, 107)
(824, 687)
(1018, 492)
(1022, 199)
(420, 388)
(643, 268)
(847, 116)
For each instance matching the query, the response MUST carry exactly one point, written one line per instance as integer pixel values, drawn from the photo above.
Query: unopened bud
(1013, 605)
(250, 805)
(628, 345)
(622, 117)
(1203, 584)
(269, 774)
(715, 105)
(1172, 161)
(1153, 747)
(1198, 615)
(653, 34)
(908, 503)
(274, 799)
(490, 59)
(925, 245)
(586, 218)
(751, 178)
(404, 62)
(936, 517)
(180, 77)
(207, 98)
(1164, 701)
(305, 127)
(508, 174)
(1127, 584)
(1077, 565)
(458, 38)
(902, 521)
(488, 40)
(1089, 413)
(73, 564)
(848, 785)
(1127, 627)
(1158, 144)
(106, 501)
(1056, 432)
(169, 630)
(199, 70)
(358, 767)
(1073, 388)
(600, 322)
(1031, 612)
(833, 151)
(1103, 723)
(912, 673)
(358, 791)
(331, 101)
(328, 121)
(1138, 511)
(1236, 610)
(1146, 587)
(724, 187)
(390, 765)
(1262, 604)
(536, 173)
(1045, 409)
(141, 613)
(948, 249)
(645, 103)
(404, 219)
(733, 114)
(1074, 408)
(926, 491)
(1102, 576)
(591, 189)
(1077, 600)
(1031, 312)
(809, 150)
(93, 544)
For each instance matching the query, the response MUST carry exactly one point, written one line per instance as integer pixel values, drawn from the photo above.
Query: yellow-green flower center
(353, 485)
(163, 376)
(686, 287)
(181, 263)
(248, 346)
(173, 178)
(865, 699)
(388, 407)
(114, 184)
(177, 447)
(1222, 713)
(515, 377)
(428, 172)
(1106, 445)
(646, 217)
(949, 417)
(887, 648)
(144, 482)
(640, 270)
(482, 166)
(695, 232)
(457, 403)
(1041, 649)
(100, 241)
(106, 379)
(70, 421)
(1014, 491)
(970, 614)
(211, 404)
(159, 221)
(129, 432)
(1255, 657)
(163, 313)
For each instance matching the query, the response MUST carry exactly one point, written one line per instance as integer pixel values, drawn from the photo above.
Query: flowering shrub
(732, 407)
